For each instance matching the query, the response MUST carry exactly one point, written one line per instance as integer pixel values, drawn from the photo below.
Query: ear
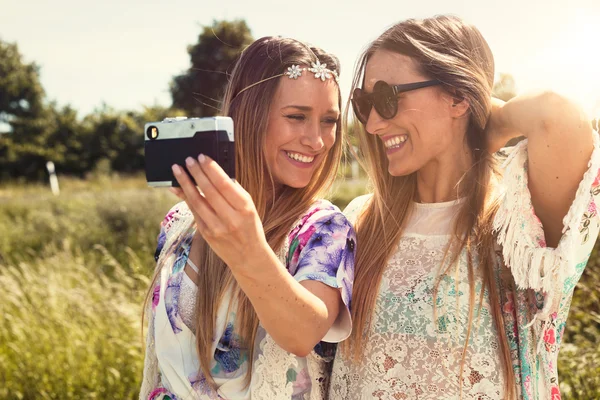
(459, 107)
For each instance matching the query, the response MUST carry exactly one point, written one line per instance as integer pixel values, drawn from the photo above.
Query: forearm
(296, 318)
(560, 143)
(545, 113)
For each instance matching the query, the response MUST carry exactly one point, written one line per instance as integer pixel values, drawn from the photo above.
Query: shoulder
(356, 207)
(320, 214)
(322, 211)
(176, 218)
(323, 237)
(178, 213)
(506, 156)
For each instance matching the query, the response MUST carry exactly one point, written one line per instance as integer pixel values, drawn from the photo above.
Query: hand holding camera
(175, 139)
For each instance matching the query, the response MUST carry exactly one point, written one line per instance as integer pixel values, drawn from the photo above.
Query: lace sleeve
(355, 208)
(151, 378)
(552, 272)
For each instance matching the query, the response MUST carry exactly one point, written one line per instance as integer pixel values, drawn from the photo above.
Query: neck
(439, 180)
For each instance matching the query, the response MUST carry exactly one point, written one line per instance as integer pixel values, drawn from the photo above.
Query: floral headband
(319, 70)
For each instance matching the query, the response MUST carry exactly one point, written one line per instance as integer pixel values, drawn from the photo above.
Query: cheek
(329, 138)
(277, 133)
(433, 133)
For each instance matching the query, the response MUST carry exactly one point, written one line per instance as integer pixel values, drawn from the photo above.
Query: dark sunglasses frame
(383, 98)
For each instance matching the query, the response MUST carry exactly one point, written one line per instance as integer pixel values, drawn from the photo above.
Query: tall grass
(115, 216)
(579, 361)
(67, 331)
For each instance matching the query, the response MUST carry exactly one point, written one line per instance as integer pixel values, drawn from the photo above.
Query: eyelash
(330, 121)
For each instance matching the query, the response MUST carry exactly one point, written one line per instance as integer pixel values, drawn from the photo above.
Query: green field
(73, 271)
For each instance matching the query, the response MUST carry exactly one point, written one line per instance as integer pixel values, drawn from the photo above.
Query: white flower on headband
(320, 71)
(336, 76)
(294, 72)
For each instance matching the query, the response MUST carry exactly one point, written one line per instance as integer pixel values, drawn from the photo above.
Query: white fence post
(53, 179)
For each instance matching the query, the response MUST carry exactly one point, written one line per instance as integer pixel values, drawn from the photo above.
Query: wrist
(257, 264)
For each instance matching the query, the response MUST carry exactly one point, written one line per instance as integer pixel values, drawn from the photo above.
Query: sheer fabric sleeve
(322, 249)
(551, 272)
(151, 377)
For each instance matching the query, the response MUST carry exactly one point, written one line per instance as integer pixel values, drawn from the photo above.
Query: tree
(40, 131)
(199, 91)
(21, 93)
(27, 146)
(505, 88)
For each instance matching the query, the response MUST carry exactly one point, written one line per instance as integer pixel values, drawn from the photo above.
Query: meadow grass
(67, 331)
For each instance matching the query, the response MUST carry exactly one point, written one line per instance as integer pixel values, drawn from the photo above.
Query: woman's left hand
(224, 212)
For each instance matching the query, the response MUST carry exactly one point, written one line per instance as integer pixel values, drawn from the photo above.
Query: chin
(399, 171)
(296, 184)
(404, 167)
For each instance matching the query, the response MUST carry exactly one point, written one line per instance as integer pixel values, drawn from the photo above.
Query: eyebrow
(308, 109)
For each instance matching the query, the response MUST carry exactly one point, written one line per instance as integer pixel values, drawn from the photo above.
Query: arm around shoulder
(560, 141)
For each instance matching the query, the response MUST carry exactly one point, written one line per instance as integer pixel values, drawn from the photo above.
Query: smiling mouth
(395, 142)
(300, 157)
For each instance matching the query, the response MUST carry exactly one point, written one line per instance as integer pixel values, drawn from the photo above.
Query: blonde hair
(455, 53)
(249, 110)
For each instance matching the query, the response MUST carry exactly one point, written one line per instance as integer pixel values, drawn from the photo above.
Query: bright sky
(124, 52)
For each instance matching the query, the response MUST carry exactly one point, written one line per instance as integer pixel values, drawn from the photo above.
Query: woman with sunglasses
(468, 258)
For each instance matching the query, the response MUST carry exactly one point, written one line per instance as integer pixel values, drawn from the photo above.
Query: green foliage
(67, 331)
(39, 132)
(73, 272)
(76, 146)
(120, 219)
(107, 140)
(199, 91)
(344, 191)
(579, 360)
(21, 93)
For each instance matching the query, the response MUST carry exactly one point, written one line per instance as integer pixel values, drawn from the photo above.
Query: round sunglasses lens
(361, 105)
(384, 100)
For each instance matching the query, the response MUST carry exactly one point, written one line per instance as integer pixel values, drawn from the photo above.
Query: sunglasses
(384, 98)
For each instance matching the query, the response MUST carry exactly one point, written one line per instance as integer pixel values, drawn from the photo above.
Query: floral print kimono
(320, 247)
(411, 355)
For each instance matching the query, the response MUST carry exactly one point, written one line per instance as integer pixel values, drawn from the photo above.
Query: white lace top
(408, 354)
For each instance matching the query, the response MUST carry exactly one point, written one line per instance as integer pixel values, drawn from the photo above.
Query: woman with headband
(252, 276)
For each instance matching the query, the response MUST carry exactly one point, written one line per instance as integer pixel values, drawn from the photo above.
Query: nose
(375, 123)
(312, 136)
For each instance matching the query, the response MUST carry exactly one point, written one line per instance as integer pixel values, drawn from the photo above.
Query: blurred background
(77, 82)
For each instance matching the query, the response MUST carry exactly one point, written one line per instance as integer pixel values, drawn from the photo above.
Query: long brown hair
(455, 53)
(249, 109)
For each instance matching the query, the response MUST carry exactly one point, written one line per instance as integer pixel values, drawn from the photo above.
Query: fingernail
(201, 158)
(189, 161)
(176, 169)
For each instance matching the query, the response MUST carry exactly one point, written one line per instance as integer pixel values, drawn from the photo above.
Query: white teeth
(395, 141)
(299, 157)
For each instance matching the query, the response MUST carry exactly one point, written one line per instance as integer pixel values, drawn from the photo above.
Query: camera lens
(152, 132)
